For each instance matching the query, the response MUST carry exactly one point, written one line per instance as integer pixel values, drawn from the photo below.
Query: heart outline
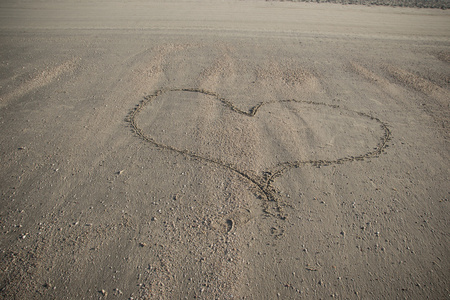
(264, 182)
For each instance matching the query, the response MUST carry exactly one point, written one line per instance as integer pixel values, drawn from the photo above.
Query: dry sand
(223, 150)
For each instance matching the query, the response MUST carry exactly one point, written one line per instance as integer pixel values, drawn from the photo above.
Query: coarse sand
(223, 150)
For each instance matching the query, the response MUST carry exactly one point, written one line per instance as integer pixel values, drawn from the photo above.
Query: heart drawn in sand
(284, 134)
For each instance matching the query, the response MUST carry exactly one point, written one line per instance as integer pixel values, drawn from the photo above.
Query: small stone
(117, 291)
(104, 293)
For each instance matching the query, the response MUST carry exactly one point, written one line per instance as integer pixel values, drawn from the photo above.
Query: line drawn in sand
(269, 195)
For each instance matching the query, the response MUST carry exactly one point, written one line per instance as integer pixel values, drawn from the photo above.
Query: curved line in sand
(263, 183)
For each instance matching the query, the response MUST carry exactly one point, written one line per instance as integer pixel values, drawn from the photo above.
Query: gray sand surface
(223, 150)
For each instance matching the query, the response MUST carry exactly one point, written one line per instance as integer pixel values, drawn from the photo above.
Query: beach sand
(223, 150)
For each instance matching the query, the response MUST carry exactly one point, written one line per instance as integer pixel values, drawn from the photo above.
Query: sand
(223, 150)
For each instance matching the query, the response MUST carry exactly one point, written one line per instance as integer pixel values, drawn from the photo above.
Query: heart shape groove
(265, 178)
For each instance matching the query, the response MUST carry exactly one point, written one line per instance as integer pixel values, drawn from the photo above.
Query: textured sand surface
(223, 150)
